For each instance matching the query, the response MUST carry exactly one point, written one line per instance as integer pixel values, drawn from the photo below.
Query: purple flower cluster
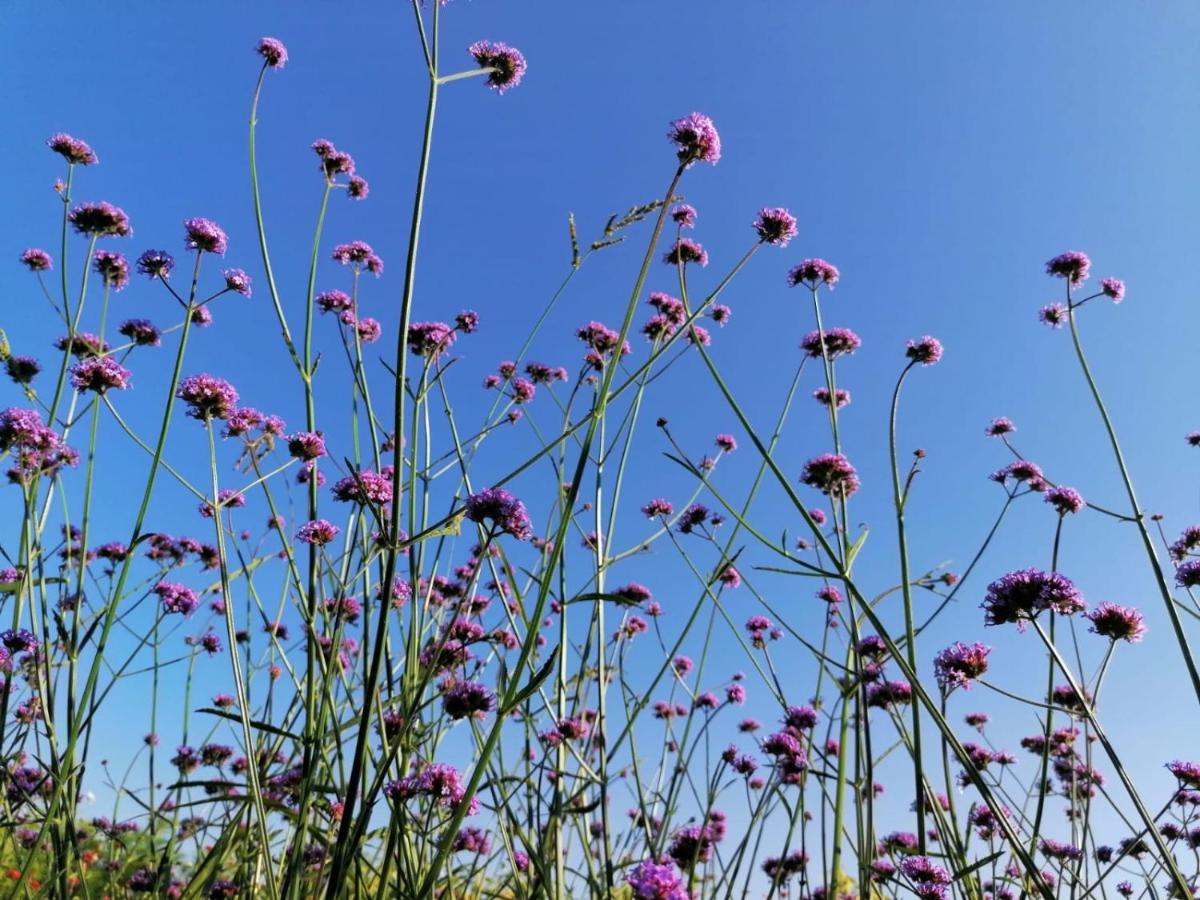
(502, 510)
(696, 138)
(832, 474)
(833, 341)
(1020, 596)
(207, 397)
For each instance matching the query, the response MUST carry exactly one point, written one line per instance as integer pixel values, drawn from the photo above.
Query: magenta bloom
(831, 474)
(156, 264)
(1187, 575)
(1053, 315)
(812, 272)
(650, 880)
(306, 445)
(821, 395)
(364, 487)
(1118, 623)
(333, 161)
(237, 281)
(502, 510)
(835, 341)
(1065, 500)
(726, 442)
(960, 664)
(999, 426)
(1019, 597)
(467, 699)
(684, 215)
(658, 507)
(113, 268)
(697, 139)
(100, 219)
(100, 374)
(359, 255)
(507, 64)
(37, 260)
(207, 397)
(205, 236)
(318, 532)
(926, 351)
(430, 338)
(73, 150)
(176, 598)
(334, 301)
(1072, 265)
(685, 251)
(1113, 288)
(141, 332)
(357, 188)
(272, 50)
(775, 225)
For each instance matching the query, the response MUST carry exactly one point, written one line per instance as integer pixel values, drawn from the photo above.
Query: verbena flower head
(821, 395)
(112, 267)
(832, 474)
(835, 341)
(237, 281)
(176, 598)
(364, 487)
(926, 351)
(658, 507)
(684, 215)
(1072, 265)
(358, 255)
(775, 225)
(72, 149)
(697, 139)
(812, 272)
(100, 374)
(141, 332)
(507, 63)
(318, 532)
(100, 220)
(205, 236)
(929, 880)
(1113, 288)
(960, 664)
(357, 188)
(1065, 499)
(685, 251)
(207, 397)
(1117, 623)
(650, 880)
(37, 260)
(502, 510)
(273, 51)
(1188, 773)
(334, 162)
(156, 264)
(1020, 596)
(1053, 315)
(430, 338)
(467, 700)
(1187, 574)
(22, 369)
(1000, 426)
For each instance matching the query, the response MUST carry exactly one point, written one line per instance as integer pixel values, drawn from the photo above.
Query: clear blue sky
(938, 153)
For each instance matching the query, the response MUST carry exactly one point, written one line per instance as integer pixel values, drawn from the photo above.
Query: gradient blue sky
(938, 153)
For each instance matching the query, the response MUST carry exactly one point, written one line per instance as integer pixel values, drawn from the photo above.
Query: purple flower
(697, 139)
(502, 509)
(359, 255)
(306, 445)
(364, 487)
(887, 694)
(37, 260)
(237, 281)
(685, 251)
(18, 640)
(141, 332)
(960, 664)
(1019, 597)
(1053, 315)
(1065, 500)
(207, 397)
(205, 236)
(1188, 773)
(775, 225)
(1118, 623)
(22, 369)
(832, 474)
(272, 50)
(1113, 288)
(318, 532)
(812, 272)
(650, 880)
(726, 442)
(100, 220)
(430, 338)
(333, 161)
(156, 264)
(821, 395)
(835, 341)
(507, 64)
(684, 215)
(334, 301)
(100, 374)
(113, 268)
(999, 426)
(929, 880)
(467, 699)
(926, 351)
(357, 188)
(1072, 265)
(1187, 575)
(658, 507)
(176, 598)
(73, 150)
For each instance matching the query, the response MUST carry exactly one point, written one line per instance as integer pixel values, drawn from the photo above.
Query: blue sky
(937, 153)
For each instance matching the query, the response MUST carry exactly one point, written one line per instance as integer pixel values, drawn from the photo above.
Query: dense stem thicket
(436, 689)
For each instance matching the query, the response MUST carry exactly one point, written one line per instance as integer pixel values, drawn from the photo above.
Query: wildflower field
(483, 501)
